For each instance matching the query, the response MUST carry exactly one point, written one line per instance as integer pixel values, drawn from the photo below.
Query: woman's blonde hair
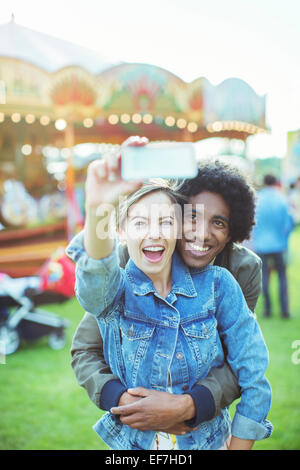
(157, 185)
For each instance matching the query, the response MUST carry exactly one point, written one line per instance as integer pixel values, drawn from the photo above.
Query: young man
(228, 218)
(274, 225)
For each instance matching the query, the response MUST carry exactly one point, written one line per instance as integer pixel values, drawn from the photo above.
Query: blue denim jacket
(159, 343)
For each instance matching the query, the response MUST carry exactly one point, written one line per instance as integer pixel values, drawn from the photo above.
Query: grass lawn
(284, 372)
(42, 407)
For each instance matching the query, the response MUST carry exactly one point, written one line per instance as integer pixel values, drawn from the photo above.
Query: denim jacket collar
(182, 282)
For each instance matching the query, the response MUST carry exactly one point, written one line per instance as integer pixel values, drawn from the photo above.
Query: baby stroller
(20, 317)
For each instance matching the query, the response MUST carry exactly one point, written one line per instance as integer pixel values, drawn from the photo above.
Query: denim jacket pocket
(134, 330)
(201, 336)
(135, 341)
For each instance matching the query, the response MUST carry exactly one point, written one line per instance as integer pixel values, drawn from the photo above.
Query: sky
(254, 40)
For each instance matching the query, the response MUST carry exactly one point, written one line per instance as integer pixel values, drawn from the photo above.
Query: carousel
(62, 106)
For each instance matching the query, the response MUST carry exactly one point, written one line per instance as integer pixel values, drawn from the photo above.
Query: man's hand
(157, 411)
(127, 399)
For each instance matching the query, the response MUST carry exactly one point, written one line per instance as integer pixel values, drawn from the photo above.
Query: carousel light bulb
(147, 118)
(88, 122)
(113, 119)
(26, 149)
(249, 128)
(125, 118)
(44, 120)
(181, 123)
(16, 117)
(60, 124)
(29, 118)
(217, 126)
(192, 127)
(170, 121)
(136, 118)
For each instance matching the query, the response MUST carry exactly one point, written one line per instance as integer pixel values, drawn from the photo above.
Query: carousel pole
(19, 157)
(69, 140)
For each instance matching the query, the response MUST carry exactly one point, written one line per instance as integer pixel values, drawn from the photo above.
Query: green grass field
(42, 407)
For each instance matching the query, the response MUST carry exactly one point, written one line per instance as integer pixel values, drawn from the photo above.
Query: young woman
(162, 324)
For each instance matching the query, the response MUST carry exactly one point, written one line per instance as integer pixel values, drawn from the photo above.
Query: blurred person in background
(274, 224)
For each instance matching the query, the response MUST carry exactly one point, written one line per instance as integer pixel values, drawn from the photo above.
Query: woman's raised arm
(104, 186)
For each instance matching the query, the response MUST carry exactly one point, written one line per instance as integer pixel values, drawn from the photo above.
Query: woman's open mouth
(154, 253)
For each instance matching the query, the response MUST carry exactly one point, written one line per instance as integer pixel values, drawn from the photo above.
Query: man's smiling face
(205, 229)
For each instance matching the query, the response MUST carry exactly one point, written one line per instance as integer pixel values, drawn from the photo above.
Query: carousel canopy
(47, 83)
(46, 52)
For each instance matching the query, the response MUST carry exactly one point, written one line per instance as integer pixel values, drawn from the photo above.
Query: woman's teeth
(154, 248)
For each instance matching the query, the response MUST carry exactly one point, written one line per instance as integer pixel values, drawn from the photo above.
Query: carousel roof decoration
(46, 81)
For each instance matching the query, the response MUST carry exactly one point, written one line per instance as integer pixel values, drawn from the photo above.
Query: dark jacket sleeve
(89, 365)
(223, 387)
(246, 267)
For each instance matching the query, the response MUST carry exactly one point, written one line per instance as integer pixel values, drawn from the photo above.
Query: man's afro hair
(227, 181)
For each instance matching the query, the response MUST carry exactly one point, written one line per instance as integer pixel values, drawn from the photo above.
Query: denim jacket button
(185, 387)
(130, 332)
(179, 355)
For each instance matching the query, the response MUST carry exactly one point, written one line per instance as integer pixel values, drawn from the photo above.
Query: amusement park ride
(54, 94)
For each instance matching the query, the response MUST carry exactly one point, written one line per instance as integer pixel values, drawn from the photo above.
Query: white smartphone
(159, 160)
